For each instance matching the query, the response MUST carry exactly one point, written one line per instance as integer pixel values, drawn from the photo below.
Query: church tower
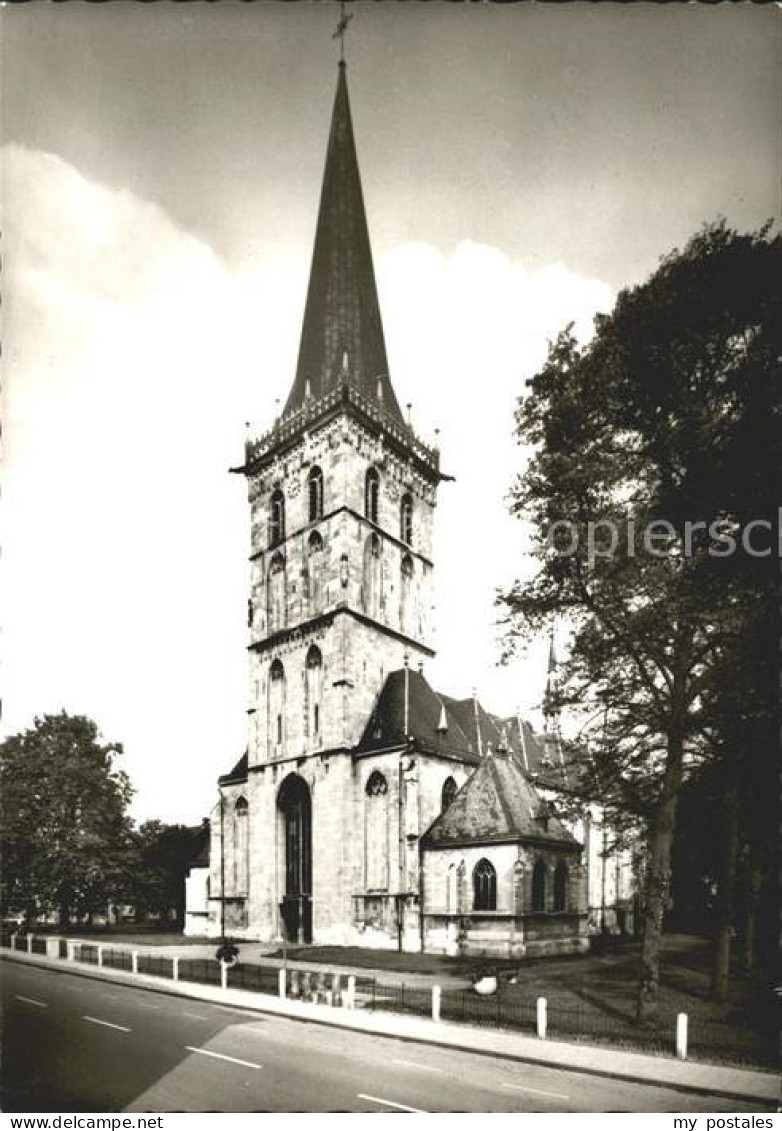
(342, 495)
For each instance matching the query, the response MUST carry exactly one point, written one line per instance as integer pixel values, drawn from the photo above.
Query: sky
(161, 171)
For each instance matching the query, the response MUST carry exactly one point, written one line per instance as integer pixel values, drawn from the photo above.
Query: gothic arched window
(484, 886)
(241, 853)
(315, 493)
(313, 693)
(539, 887)
(372, 494)
(406, 519)
(376, 832)
(276, 597)
(560, 887)
(449, 791)
(372, 576)
(276, 714)
(276, 517)
(405, 589)
(313, 570)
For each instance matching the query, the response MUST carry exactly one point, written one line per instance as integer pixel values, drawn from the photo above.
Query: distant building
(368, 809)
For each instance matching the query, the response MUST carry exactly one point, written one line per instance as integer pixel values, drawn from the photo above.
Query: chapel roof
(497, 803)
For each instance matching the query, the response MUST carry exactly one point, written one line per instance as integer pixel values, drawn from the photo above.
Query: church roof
(497, 803)
(342, 333)
(426, 713)
(237, 774)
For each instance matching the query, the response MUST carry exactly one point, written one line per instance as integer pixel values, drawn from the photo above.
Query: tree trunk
(720, 972)
(747, 950)
(65, 913)
(658, 881)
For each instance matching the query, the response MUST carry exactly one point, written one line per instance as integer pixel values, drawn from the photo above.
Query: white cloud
(133, 357)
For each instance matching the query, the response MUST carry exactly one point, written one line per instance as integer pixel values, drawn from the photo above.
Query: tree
(652, 446)
(65, 831)
(163, 853)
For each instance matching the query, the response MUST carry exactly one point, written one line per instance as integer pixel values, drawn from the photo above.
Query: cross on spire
(341, 28)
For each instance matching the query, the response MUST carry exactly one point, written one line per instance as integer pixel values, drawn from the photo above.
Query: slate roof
(538, 759)
(497, 803)
(237, 774)
(342, 312)
(386, 724)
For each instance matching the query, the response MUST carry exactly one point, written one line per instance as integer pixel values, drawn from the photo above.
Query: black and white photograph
(392, 524)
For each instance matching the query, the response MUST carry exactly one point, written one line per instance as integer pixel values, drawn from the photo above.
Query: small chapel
(369, 809)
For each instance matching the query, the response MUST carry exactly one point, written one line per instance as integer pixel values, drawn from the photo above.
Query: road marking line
(108, 1024)
(221, 1056)
(31, 1000)
(390, 1103)
(537, 1091)
(415, 1064)
(199, 1016)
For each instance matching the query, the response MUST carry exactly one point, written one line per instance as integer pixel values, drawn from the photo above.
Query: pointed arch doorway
(295, 806)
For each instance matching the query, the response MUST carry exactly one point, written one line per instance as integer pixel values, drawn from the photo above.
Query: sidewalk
(688, 1076)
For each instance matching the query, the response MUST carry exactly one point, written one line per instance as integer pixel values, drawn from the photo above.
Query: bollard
(100, 955)
(350, 996)
(542, 1012)
(282, 983)
(437, 995)
(681, 1036)
(175, 967)
(223, 975)
(134, 962)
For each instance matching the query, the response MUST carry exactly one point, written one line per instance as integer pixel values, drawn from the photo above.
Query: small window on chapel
(484, 886)
(449, 791)
(372, 494)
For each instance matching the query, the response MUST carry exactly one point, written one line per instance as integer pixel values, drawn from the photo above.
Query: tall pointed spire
(342, 334)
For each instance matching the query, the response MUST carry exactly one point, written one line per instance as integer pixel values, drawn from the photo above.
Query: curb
(756, 1085)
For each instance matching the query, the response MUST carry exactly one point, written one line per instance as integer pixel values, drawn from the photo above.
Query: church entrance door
(295, 806)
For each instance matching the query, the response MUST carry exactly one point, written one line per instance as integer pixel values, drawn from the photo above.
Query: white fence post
(71, 950)
(351, 995)
(681, 1036)
(175, 967)
(30, 944)
(542, 1012)
(223, 975)
(100, 955)
(282, 982)
(134, 962)
(437, 995)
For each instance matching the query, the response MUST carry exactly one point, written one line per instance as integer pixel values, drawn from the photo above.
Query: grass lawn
(136, 934)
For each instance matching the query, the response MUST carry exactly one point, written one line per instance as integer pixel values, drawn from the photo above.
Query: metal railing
(751, 1040)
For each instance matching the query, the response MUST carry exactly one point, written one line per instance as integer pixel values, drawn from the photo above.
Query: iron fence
(160, 965)
(87, 952)
(118, 959)
(745, 1038)
(257, 979)
(203, 970)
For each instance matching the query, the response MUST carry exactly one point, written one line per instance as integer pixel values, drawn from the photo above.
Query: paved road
(76, 1044)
